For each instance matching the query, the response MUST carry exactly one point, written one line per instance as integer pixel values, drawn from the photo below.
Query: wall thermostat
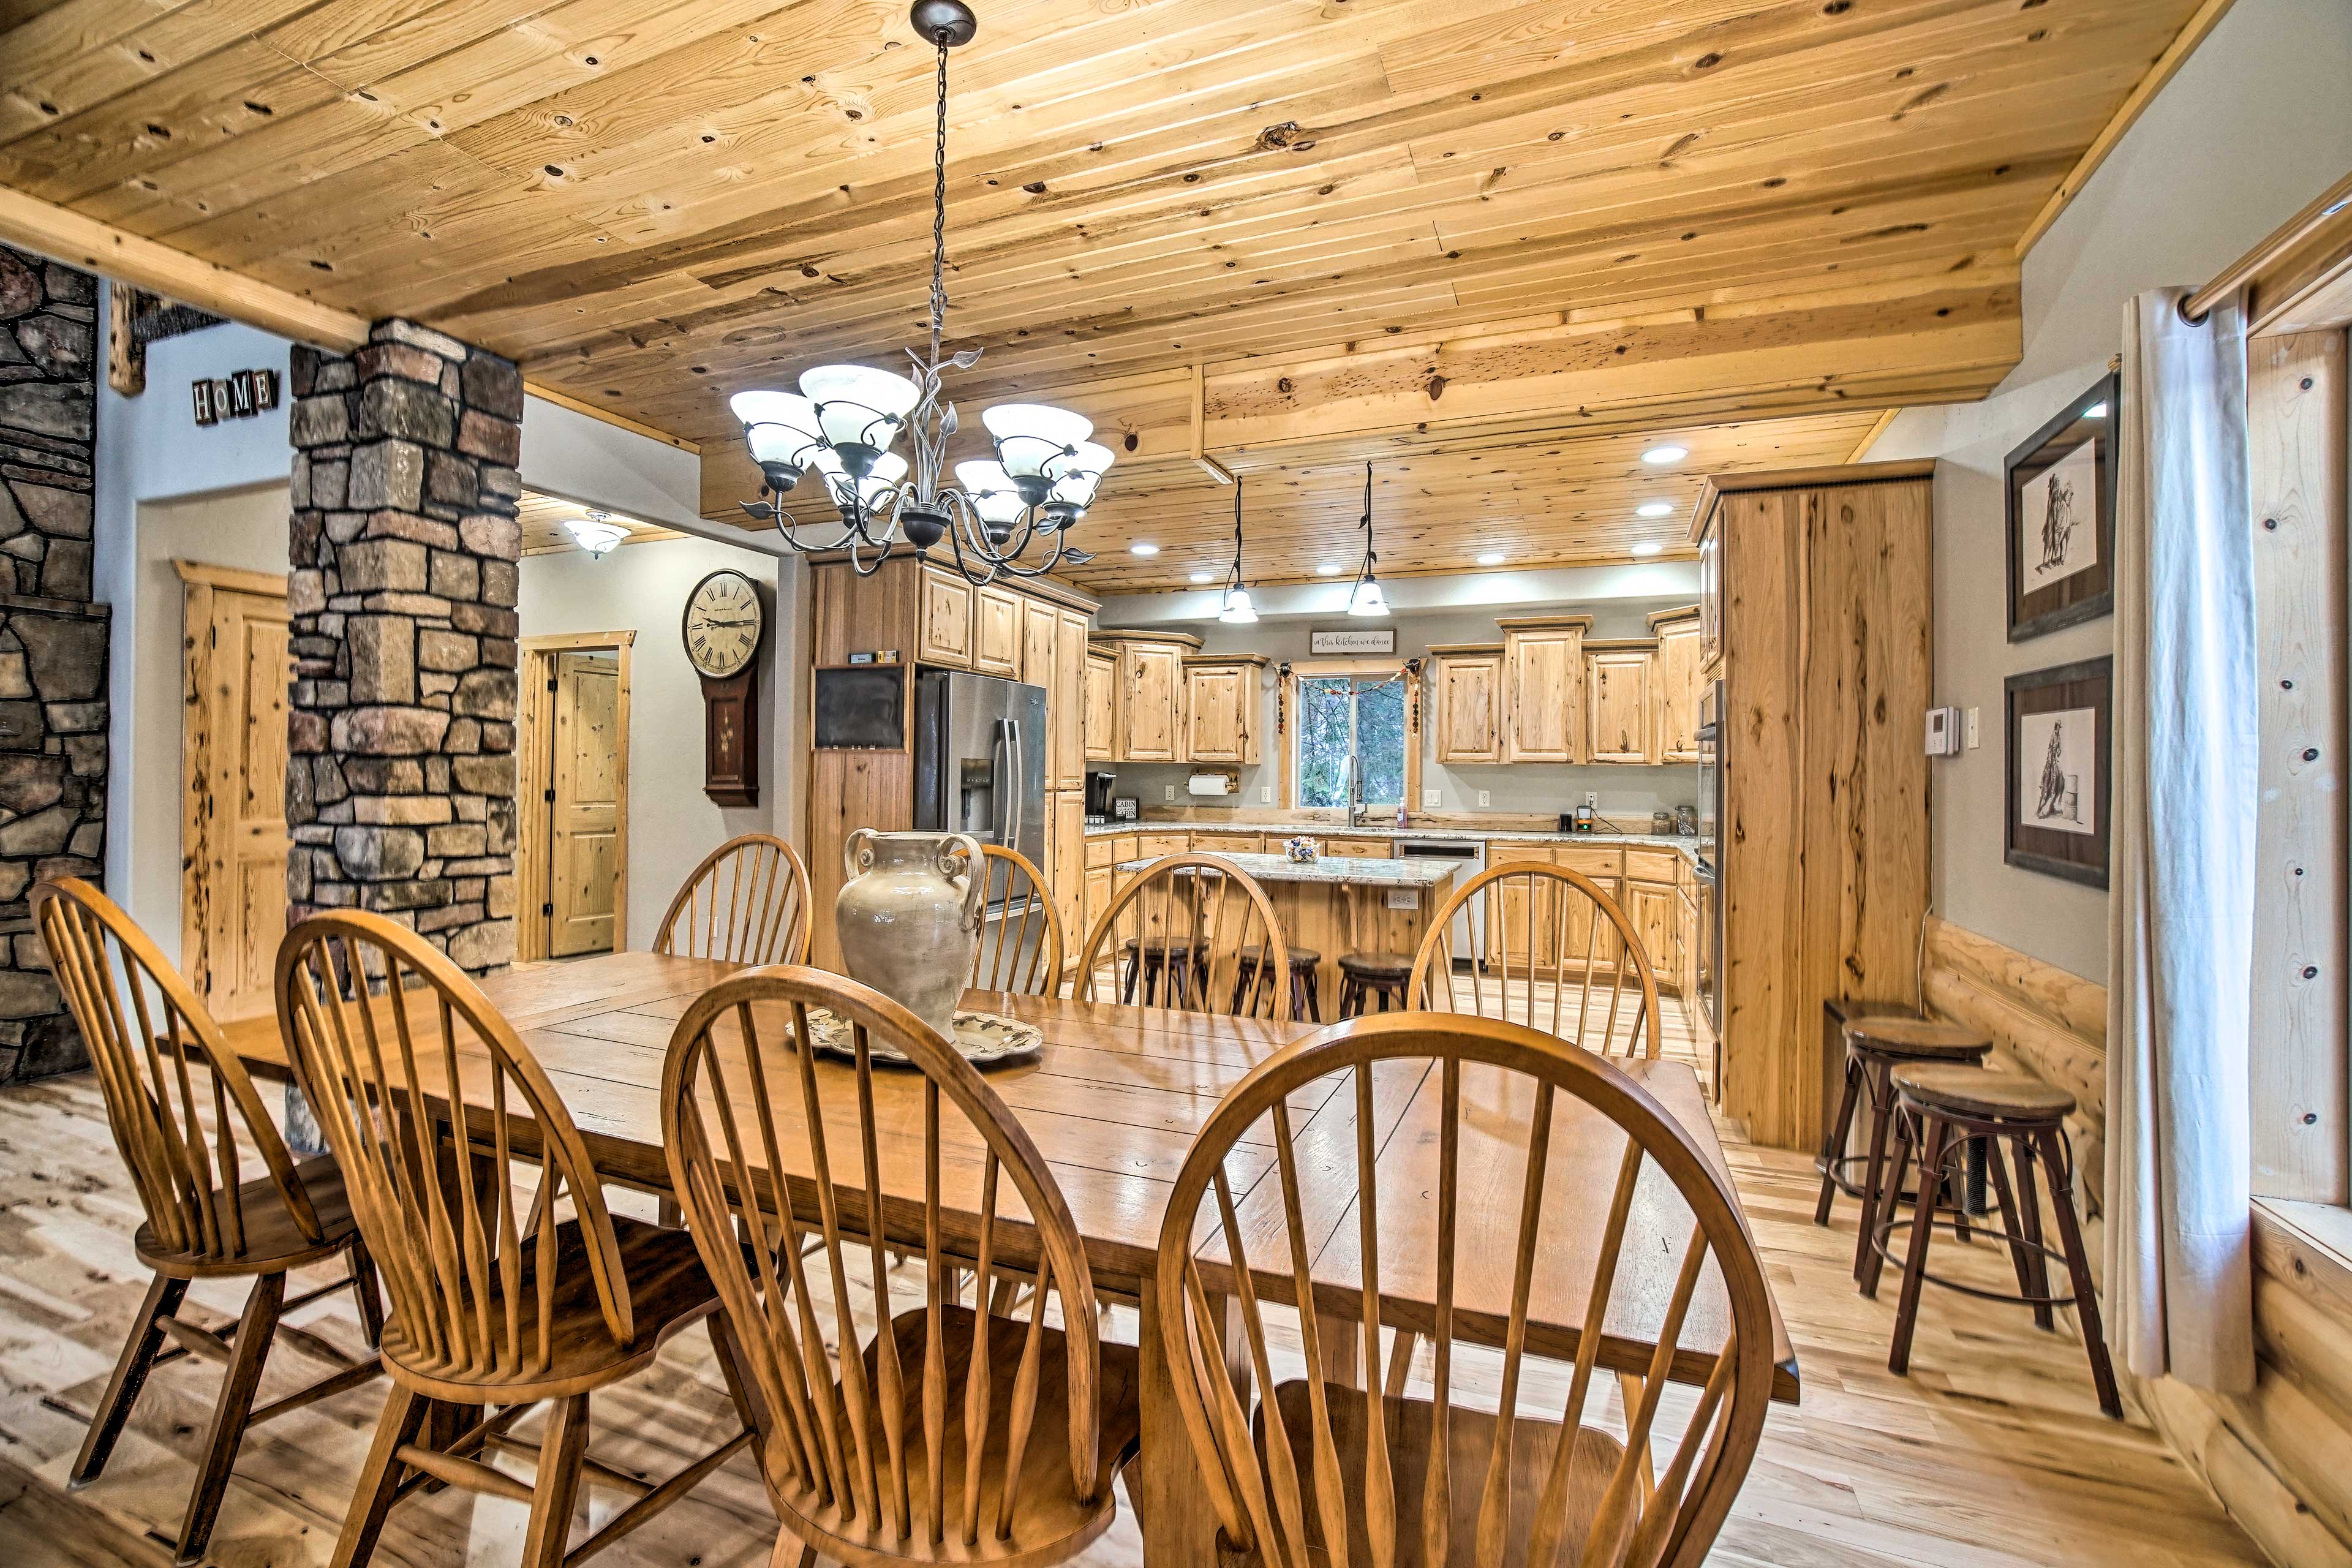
(1943, 732)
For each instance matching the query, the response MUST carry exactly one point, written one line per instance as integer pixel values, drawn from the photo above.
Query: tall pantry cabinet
(1817, 609)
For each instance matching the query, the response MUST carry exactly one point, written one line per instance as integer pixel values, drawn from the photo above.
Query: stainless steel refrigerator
(980, 759)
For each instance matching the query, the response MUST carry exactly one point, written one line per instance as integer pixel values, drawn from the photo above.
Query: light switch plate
(1266, 795)
(1171, 792)
(1482, 797)
(1975, 740)
(1430, 800)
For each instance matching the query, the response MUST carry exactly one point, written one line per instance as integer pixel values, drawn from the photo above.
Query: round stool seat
(1918, 1039)
(1300, 957)
(1374, 967)
(1973, 1092)
(1158, 947)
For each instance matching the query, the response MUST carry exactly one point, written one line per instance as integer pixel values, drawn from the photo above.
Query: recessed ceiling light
(1143, 548)
(1492, 558)
(1654, 509)
(2097, 411)
(1204, 577)
(1668, 453)
(1328, 569)
(1648, 547)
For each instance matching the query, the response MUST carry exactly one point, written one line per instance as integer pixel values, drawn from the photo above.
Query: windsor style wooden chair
(748, 903)
(1559, 955)
(429, 1101)
(189, 1124)
(873, 1470)
(1333, 1474)
(1190, 930)
(1022, 949)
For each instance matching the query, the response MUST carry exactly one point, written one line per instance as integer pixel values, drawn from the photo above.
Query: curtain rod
(2238, 273)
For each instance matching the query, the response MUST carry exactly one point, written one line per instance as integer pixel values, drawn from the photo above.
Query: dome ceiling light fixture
(1368, 599)
(596, 532)
(844, 419)
(1237, 610)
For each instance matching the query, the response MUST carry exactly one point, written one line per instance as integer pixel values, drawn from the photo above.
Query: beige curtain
(2180, 1277)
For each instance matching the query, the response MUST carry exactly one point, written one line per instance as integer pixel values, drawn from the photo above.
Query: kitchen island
(1338, 904)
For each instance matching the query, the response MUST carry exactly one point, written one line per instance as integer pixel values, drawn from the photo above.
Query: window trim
(1286, 696)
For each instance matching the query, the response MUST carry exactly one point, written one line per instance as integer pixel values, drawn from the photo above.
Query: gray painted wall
(2257, 123)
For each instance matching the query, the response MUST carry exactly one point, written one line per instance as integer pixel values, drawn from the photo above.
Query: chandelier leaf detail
(1009, 514)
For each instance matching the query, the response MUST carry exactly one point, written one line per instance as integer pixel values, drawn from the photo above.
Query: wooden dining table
(1113, 1100)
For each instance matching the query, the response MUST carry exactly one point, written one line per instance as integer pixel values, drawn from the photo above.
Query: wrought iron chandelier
(845, 418)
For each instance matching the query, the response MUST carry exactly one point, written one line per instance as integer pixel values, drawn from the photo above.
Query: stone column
(400, 774)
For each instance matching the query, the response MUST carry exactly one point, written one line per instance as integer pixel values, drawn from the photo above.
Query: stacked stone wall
(400, 791)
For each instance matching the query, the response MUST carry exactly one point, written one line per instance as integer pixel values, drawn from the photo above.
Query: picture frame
(2059, 749)
(2060, 486)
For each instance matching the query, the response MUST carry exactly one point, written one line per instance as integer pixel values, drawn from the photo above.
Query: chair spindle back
(1021, 944)
(748, 903)
(188, 1175)
(1456, 1108)
(1209, 941)
(751, 1122)
(1549, 930)
(404, 1061)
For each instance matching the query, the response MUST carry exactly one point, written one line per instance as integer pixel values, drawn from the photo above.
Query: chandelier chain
(939, 204)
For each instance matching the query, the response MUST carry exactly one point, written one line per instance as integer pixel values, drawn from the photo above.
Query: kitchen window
(1352, 728)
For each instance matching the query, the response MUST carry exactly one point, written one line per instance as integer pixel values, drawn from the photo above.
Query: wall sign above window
(239, 396)
(1365, 639)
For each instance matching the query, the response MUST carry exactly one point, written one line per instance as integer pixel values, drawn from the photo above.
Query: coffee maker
(1099, 788)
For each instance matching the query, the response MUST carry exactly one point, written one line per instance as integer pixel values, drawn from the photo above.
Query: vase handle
(975, 874)
(853, 851)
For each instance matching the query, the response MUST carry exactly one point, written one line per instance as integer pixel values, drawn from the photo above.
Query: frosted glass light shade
(596, 535)
(872, 489)
(1368, 599)
(1078, 475)
(780, 428)
(1030, 435)
(990, 490)
(857, 405)
(1238, 610)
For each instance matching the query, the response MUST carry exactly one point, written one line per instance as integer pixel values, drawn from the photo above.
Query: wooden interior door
(233, 838)
(584, 819)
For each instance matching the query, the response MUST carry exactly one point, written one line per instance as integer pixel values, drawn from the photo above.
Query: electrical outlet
(1430, 800)
(1482, 797)
(1593, 800)
(1975, 740)
(1171, 792)
(1266, 795)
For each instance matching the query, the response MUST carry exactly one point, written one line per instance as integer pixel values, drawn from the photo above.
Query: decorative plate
(984, 1038)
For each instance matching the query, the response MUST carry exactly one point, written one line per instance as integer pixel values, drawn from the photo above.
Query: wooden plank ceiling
(1496, 247)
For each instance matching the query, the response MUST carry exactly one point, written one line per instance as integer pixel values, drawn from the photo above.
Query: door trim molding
(535, 775)
(236, 579)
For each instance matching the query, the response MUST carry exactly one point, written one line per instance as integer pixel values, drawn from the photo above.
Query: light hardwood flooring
(1992, 1454)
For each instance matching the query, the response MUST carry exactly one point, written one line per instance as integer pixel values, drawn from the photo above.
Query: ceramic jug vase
(909, 917)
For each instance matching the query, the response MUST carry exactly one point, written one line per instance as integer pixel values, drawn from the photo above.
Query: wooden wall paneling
(2295, 419)
(234, 843)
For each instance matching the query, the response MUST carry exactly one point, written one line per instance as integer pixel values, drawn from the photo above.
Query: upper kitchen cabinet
(1543, 681)
(1617, 698)
(1069, 700)
(1674, 683)
(1467, 684)
(1148, 695)
(1221, 707)
(1101, 703)
(944, 619)
(996, 630)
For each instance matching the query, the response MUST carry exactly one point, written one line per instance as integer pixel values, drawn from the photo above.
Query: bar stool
(1304, 1002)
(1837, 1143)
(1366, 975)
(1875, 1048)
(1940, 1107)
(1165, 967)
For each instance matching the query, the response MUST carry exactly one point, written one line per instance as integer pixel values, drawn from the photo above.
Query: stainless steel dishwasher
(1468, 857)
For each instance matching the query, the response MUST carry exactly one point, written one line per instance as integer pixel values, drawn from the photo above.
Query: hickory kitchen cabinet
(1676, 682)
(1465, 684)
(1101, 703)
(1617, 698)
(1543, 687)
(1147, 723)
(1222, 699)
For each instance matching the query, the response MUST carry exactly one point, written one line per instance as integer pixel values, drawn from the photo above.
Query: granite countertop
(1684, 842)
(1348, 868)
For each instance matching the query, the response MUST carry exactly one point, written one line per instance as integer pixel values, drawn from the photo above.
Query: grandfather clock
(726, 620)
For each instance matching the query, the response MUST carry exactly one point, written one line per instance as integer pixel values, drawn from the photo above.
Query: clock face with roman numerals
(724, 619)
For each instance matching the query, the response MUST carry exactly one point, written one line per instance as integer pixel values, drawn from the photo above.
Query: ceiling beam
(1927, 340)
(1870, 437)
(2168, 65)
